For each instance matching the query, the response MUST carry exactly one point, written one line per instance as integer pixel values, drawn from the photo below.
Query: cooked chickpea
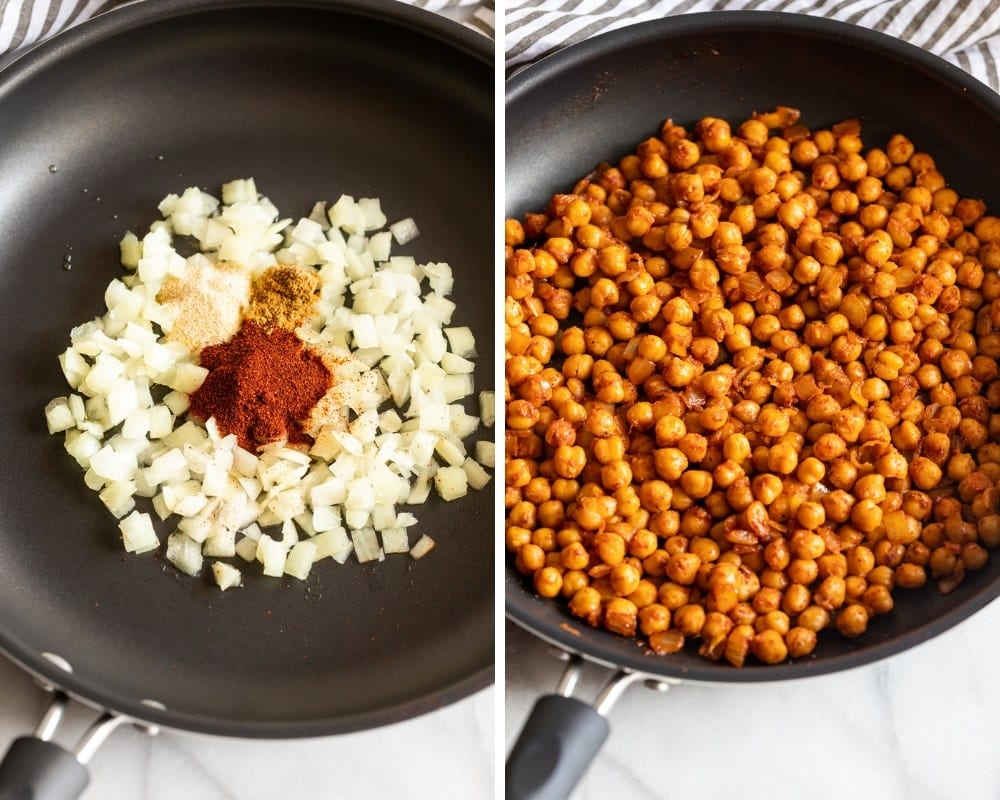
(682, 568)
(769, 646)
(800, 642)
(751, 455)
(689, 619)
(852, 620)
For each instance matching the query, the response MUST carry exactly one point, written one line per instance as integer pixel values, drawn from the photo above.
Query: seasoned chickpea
(625, 578)
(653, 619)
(769, 646)
(682, 568)
(813, 618)
(751, 387)
(548, 581)
(689, 619)
(800, 641)
(852, 620)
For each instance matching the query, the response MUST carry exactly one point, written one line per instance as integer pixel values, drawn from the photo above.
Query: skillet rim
(440, 31)
(549, 621)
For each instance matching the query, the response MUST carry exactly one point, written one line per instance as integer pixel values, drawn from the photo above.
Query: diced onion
(451, 483)
(386, 321)
(405, 230)
(138, 534)
(226, 576)
(422, 547)
(486, 453)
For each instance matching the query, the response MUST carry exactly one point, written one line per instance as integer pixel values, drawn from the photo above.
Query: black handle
(556, 745)
(37, 770)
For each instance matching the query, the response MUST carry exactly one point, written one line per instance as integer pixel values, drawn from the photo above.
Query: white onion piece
(486, 453)
(272, 556)
(138, 534)
(451, 483)
(184, 553)
(487, 408)
(422, 547)
(300, 559)
(405, 230)
(58, 416)
(226, 576)
(366, 545)
(476, 476)
(395, 540)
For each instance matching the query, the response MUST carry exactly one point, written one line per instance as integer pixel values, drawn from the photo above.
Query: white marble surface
(447, 754)
(922, 725)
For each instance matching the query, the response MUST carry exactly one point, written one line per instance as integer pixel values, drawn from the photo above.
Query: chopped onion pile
(385, 318)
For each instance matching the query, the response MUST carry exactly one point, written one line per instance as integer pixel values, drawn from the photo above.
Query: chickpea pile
(752, 387)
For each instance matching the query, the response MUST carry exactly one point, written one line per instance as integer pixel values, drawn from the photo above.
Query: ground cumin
(261, 386)
(284, 296)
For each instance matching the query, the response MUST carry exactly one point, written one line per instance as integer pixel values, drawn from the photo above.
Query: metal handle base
(563, 735)
(34, 769)
(556, 746)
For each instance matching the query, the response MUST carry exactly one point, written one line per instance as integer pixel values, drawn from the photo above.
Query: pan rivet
(58, 661)
(657, 686)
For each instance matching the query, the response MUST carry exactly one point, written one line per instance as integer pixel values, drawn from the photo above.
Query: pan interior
(313, 100)
(596, 101)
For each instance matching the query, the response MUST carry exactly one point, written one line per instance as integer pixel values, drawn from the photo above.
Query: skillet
(313, 98)
(594, 102)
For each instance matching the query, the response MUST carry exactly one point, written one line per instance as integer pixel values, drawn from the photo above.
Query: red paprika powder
(261, 386)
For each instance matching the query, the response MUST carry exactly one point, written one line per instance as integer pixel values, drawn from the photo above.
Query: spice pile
(752, 387)
(289, 376)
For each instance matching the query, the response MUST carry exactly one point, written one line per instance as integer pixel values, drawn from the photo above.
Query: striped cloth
(964, 33)
(25, 22)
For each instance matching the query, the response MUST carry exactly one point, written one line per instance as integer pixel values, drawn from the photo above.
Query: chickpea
(852, 620)
(796, 599)
(530, 558)
(910, 576)
(803, 571)
(625, 578)
(689, 619)
(682, 568)
(800, 642)
(877, 599)
(653, 619)
(813, 618)
(586, 603)
(834, 328)
(769, 647)
(696, 483)
(548, 581)
(831, 593)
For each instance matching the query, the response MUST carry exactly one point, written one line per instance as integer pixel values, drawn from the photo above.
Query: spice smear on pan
(752, 387)
(276, 396)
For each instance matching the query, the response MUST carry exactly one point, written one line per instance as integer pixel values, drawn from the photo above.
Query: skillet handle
(34, 769)
(556, 746)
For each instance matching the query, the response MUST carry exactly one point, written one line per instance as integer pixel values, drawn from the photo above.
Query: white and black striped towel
(965, 32)
(25, 22)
